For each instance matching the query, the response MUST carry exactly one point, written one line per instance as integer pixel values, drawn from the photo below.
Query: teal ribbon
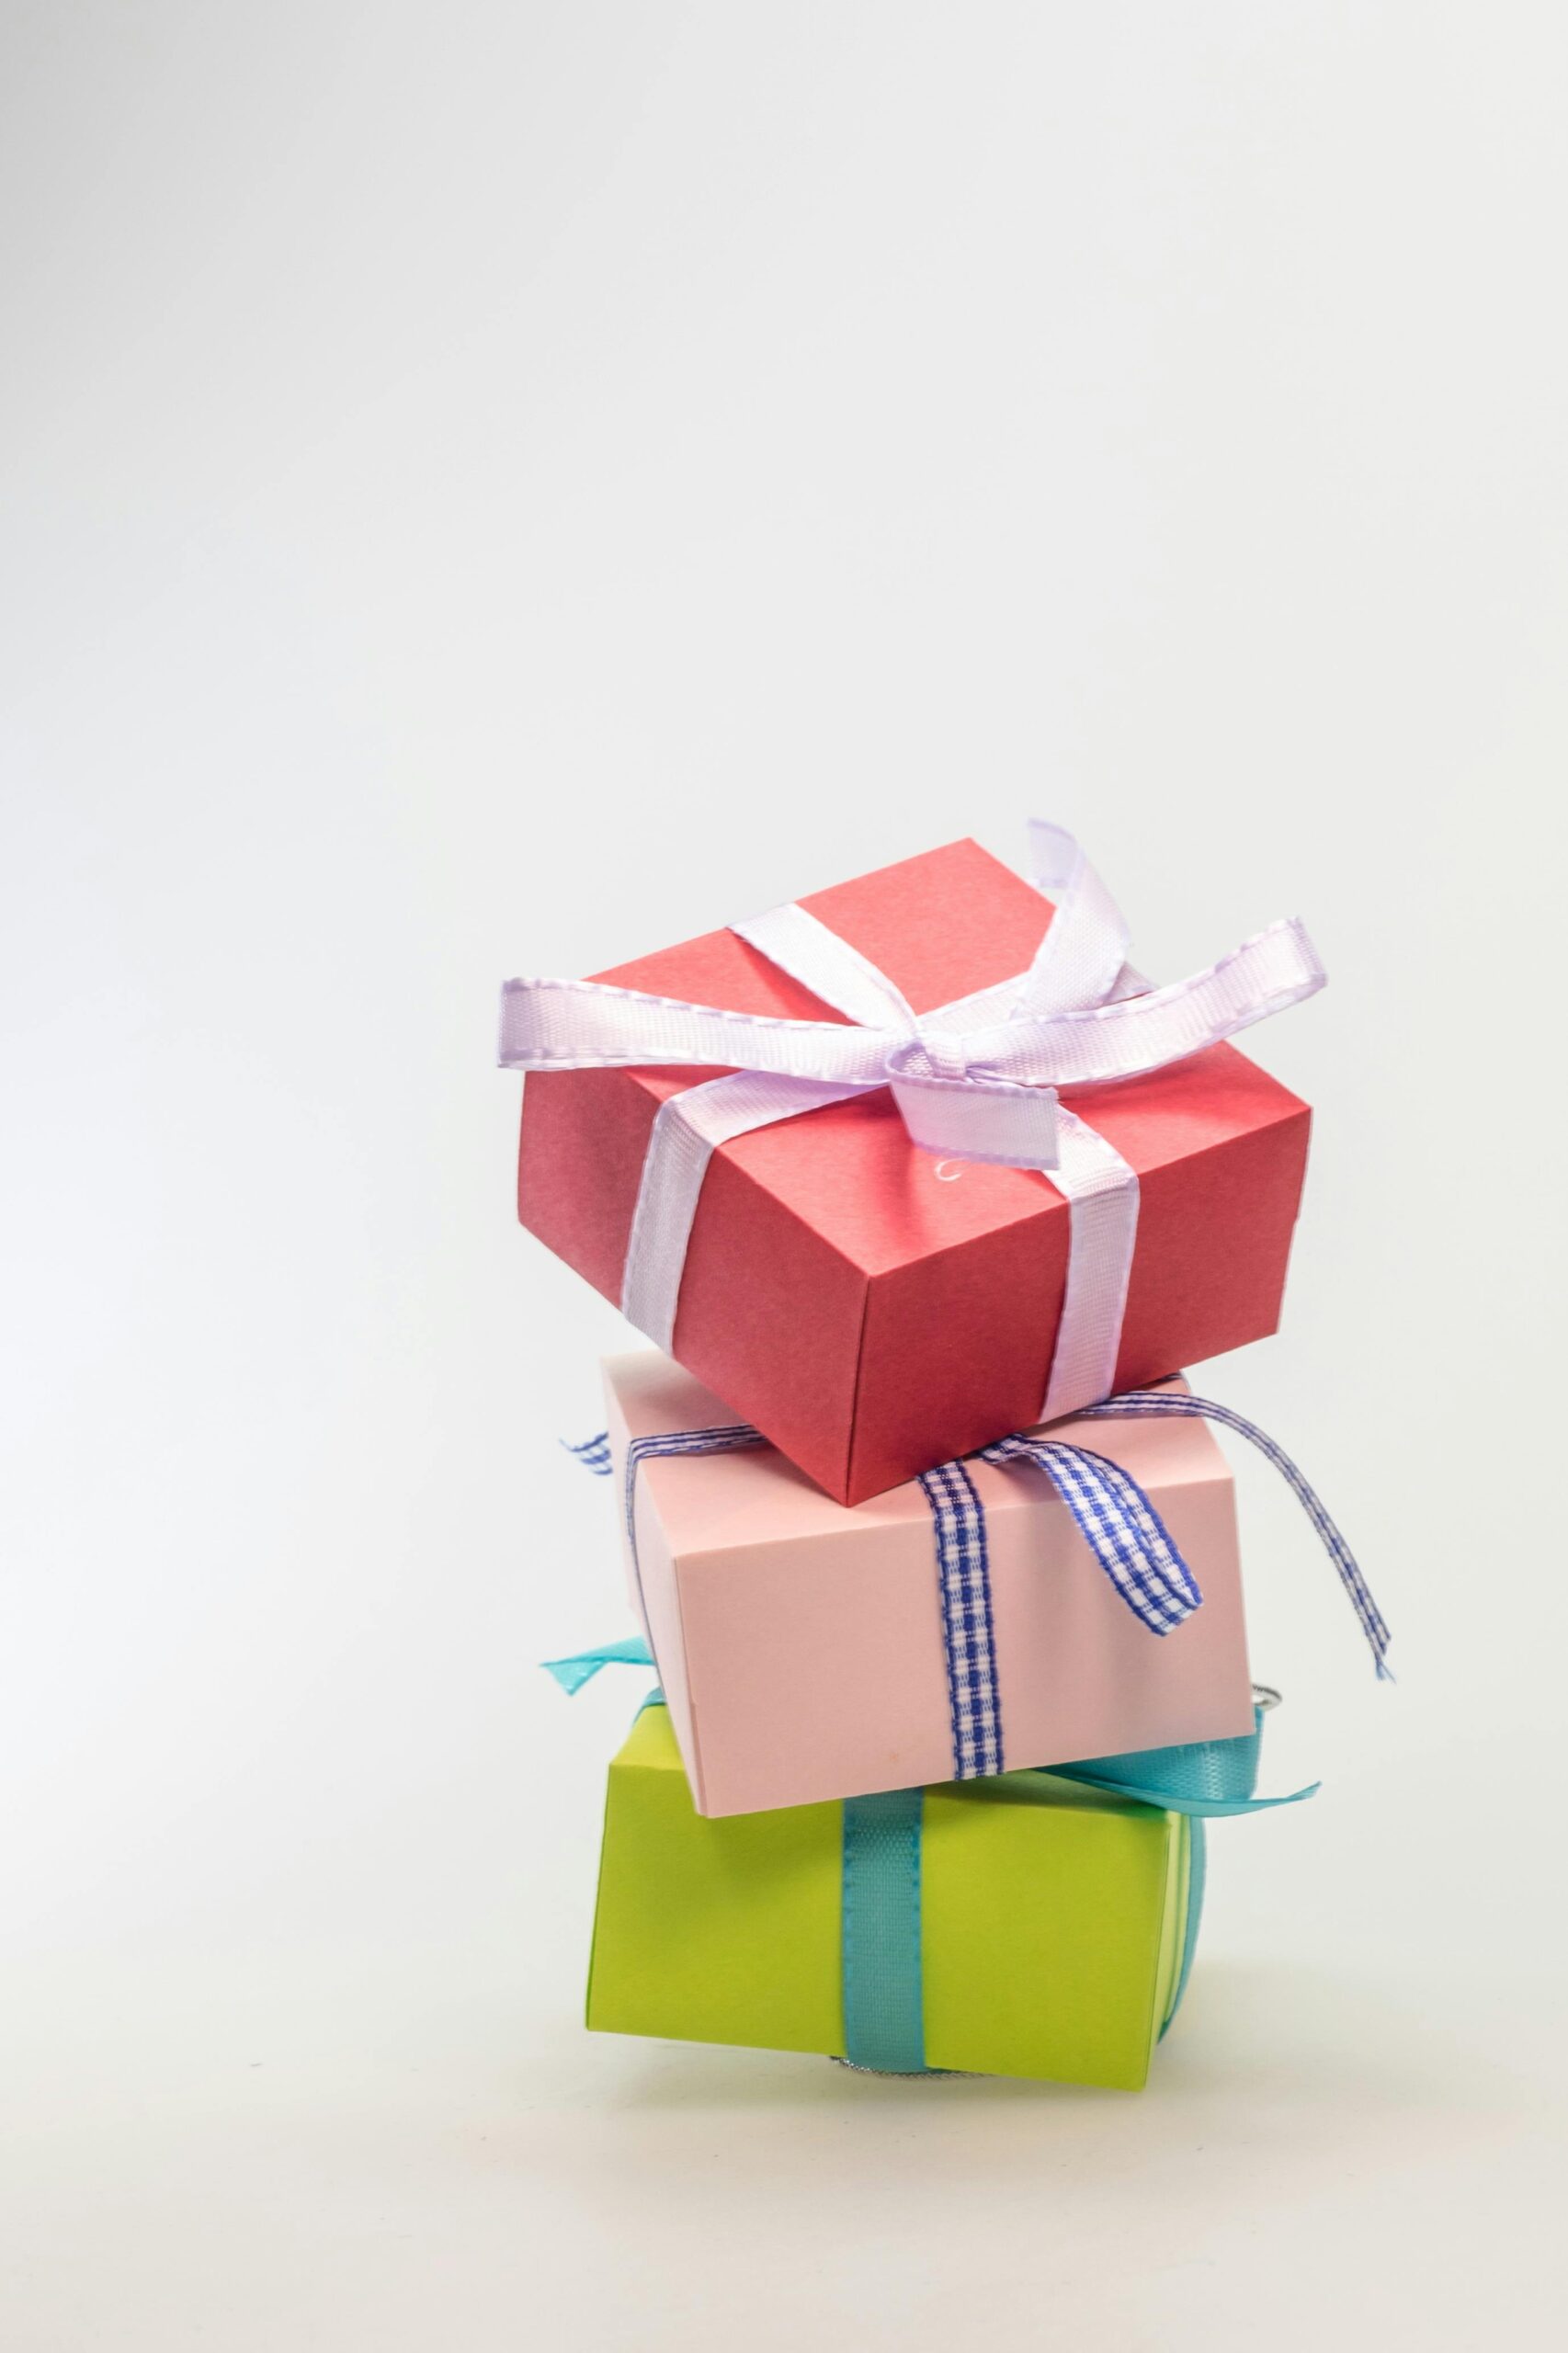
(583, 1666)
(1201, 1778)
(884, 2007)
(884, 2028)
(884, 2019)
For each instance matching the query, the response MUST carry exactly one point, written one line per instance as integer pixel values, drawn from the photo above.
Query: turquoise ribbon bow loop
(1203, 1778)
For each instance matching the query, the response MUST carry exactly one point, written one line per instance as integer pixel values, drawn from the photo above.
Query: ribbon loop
(1117, 1520)
(1082, 957)
(1096, 1045)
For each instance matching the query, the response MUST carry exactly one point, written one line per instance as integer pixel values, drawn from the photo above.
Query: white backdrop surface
(503, 488)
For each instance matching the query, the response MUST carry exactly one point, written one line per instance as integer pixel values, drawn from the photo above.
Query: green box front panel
(1052, 1921)
(714, 1931)
(1045, 1914)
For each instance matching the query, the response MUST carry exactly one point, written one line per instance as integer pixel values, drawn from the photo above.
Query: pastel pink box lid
(799, 1641)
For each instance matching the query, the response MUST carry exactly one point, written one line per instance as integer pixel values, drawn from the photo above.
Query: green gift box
(1031, 1925)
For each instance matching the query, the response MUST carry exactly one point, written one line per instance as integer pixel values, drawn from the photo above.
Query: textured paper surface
(875, 1311)
(800, 1641)
(1052, 1922)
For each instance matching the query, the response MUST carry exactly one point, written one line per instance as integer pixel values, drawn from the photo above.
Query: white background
(504, 487)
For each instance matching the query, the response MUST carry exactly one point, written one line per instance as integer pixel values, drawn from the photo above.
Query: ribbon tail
(1180, 1801)
(593, 1025)
(583, 1666)
(592, 1453)
(1133, 1403)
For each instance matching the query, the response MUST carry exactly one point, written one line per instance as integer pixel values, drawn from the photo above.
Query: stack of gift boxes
(930, 1542)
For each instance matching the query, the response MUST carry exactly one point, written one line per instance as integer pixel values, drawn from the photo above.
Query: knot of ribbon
(978, 1079)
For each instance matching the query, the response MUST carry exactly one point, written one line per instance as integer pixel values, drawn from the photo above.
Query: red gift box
(875, 1311)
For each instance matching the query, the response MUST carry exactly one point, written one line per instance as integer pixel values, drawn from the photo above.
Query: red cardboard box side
(925, 1326)
(1214, 1239)
(771, 1314)
(957, 1343)
(956, 1349)
(941, 925)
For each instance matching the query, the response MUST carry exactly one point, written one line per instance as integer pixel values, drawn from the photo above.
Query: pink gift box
(799, 1641)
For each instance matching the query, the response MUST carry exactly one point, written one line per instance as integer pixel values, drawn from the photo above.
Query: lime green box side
(1052, 1919)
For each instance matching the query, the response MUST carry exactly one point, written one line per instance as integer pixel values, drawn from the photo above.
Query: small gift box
(1030, 1924)
(959, 1625)
(966, 1171)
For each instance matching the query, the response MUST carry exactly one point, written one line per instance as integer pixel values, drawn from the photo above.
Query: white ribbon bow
(975, 1080)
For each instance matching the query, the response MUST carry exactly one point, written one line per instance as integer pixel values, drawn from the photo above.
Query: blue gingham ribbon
(969, 1637)
(593, 1454)
(725, 1438)
(1125, 1532)
(1135, 1403)
(1112, 1512)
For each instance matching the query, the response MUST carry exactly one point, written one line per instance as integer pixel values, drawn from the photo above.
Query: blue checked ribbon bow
(1116, 1517)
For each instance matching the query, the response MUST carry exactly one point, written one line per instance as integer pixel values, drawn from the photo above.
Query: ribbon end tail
(583, 1666)
(592, 1453)
(572, 1673)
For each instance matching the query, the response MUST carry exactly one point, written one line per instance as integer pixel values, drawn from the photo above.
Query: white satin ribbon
(973, 1080)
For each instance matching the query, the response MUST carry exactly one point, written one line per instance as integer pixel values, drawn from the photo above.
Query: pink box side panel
(812, 1660)
(652, 1584)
